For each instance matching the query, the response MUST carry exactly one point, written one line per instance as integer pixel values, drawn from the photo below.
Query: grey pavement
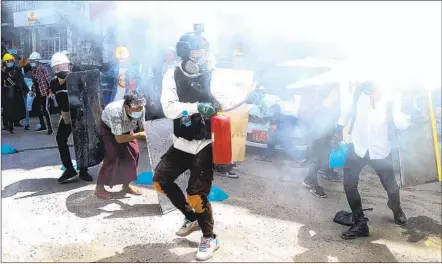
(268, 216)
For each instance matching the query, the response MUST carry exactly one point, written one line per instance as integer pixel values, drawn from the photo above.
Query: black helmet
(189, 42)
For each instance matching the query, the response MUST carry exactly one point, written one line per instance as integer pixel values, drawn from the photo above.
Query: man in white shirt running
(374, 117)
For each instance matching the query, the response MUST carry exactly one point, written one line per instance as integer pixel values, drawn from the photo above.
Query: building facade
(49, 27)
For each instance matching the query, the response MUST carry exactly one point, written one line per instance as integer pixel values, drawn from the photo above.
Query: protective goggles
(9, 61)
(61, 67)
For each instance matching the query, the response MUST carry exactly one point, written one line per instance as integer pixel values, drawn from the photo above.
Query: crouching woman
(119, 120)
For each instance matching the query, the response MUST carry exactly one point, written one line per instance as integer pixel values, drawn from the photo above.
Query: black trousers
(43, 111)
(384, 169)
(319, 153)
(196, 206)
(63, 132)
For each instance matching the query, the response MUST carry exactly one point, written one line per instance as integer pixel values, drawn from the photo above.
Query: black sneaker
(67, 175)
(358, 230)
(228, 174)
(398, 214)
(41, 129)
(27, 128)
(318, 191)
(50, 132)
(330, 176)
(85, 176)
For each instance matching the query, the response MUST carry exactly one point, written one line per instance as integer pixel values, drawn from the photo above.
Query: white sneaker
(187, 228)
(207, 246)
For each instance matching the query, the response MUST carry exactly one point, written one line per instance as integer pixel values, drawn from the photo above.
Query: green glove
(206, 109)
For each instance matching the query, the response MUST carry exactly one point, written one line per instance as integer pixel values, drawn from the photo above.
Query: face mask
(9, 64)
(62, 75)
(33, 64)
(135, 115)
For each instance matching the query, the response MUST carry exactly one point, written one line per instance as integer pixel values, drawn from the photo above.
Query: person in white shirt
(187, 89)
(373, 118)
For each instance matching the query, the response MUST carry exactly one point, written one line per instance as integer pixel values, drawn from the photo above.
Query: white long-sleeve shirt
(370, 130)
(173, 109)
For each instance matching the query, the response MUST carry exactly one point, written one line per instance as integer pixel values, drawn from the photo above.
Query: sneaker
(308, 184)
(27, 128)
(188, 228)
(67, 175)
(228, 174)
(330, 176)
(41, 129)
(318, 191)
(50, 132)
(208, 245)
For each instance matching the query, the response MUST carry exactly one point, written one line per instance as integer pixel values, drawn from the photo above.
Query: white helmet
(58, 59)
(35, 56)
(65, 52)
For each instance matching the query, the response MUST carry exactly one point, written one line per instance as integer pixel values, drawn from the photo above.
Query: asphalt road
(268, 216)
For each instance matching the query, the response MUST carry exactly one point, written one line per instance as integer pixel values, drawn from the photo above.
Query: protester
(374, 117)
(121, 78)
(321, 127)
(187, 88)
(120, 163)
(281, 127)
(60, 65)
(40, 86)
(14, 90)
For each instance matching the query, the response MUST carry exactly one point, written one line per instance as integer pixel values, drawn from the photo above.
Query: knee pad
(197, 202)
(157, 187)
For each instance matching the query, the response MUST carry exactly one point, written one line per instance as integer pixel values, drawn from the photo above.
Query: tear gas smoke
(395, 41)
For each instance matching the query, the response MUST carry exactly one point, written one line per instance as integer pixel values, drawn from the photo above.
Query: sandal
(104, 195)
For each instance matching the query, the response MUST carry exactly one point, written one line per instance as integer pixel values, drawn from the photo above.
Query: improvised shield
(417, 153)
(159, 134)
(85, 99)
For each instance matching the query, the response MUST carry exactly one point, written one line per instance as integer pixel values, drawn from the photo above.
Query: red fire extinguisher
(221, 139)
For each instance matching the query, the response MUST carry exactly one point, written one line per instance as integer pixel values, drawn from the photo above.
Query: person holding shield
(61, 66)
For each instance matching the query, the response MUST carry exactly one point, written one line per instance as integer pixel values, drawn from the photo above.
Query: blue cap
(185, 112)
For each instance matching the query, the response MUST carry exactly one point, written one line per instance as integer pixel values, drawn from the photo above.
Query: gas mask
(197, 63)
